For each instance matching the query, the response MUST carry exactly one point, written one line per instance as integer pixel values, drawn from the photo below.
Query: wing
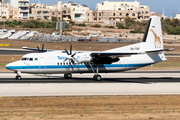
(112, 54)
(121, 54)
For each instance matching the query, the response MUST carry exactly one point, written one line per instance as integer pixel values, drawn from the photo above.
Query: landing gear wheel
(97, 78)
(18, 77)
(67, 75)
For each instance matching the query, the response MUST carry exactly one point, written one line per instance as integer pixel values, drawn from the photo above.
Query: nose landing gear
(18, 76)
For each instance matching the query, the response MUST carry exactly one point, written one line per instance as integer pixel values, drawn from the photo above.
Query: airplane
(131, 57)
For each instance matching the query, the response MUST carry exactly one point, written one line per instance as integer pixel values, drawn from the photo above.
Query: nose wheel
(18, 77)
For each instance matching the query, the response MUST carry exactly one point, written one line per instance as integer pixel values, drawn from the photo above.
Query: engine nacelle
(104, 60)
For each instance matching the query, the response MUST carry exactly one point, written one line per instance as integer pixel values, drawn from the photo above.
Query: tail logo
(157, 40)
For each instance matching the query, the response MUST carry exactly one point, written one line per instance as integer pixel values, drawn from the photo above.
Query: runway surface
(128, 83)
(4, 51)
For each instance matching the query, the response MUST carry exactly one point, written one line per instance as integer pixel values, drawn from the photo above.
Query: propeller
(42, 50)
(71, 56)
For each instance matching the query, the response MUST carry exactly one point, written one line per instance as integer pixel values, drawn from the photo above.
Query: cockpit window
(30, 59)
(23, 59)
(26, 59)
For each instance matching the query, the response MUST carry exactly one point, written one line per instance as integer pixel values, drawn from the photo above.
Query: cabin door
(125, 64)
(42, 64)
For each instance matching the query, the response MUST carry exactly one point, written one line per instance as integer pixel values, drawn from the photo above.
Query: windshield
(26, 59)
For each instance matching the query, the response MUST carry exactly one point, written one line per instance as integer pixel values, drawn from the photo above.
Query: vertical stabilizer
(153, 36)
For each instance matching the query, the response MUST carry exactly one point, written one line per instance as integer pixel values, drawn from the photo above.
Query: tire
(18, 77)
(97, 78)
(67, 75)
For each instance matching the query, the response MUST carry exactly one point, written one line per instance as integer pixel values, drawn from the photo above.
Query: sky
(170, 6)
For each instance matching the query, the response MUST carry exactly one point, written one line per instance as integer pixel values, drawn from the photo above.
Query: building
(4, 10)
(5, 1)
(39, 12)
(14, 3)
(23, 6)
(78, 13)
(118, 11)
(177, 16)
(157, 14)
(45, 11)
(91, 15)
(13, 13)
(75, 12)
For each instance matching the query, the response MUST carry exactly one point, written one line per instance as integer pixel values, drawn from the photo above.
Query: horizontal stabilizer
(157, 51)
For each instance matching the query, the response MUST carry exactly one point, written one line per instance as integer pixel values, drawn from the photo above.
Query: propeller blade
(76, 60)
(38, 48)
(43, 47)
(73, 55)
(67, 52)
(65, 59)
(71, 49)
(72, 61)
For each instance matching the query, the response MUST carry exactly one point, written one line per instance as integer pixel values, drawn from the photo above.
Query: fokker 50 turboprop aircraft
(148, 52)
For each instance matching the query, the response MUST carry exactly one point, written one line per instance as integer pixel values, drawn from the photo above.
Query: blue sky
(170, 6)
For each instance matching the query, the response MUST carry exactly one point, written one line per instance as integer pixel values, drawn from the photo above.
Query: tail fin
(153, 36)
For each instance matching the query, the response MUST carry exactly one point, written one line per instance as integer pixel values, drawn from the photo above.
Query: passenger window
(57, 63)
(30, 59)
(61, 63)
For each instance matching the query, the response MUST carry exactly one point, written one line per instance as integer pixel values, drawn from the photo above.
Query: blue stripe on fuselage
(76, 66)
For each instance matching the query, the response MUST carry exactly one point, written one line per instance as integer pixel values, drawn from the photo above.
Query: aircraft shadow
(141, 80)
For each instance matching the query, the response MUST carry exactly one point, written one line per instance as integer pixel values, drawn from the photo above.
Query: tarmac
(125, 83)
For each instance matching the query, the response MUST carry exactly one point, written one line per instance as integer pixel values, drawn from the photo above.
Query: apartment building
(39, 12)
(4, 10)
(13, 13)
(45, 11)
(78, 13)
(74, 11)
(118, 11)
(23, 6)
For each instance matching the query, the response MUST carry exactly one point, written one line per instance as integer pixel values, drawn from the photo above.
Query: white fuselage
(54, 62)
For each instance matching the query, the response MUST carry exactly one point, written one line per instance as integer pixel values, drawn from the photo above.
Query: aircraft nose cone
(8, 66)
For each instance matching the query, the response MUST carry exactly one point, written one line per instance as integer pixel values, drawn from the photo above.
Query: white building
(178, 16)
(107, 5)
(78, 12)
(23, 6)
(4, 10)
(5, 1)
(14, 3)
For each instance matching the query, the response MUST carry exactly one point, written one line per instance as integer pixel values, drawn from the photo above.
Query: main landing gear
(96, 76)
(18, 76)
(67, 75)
